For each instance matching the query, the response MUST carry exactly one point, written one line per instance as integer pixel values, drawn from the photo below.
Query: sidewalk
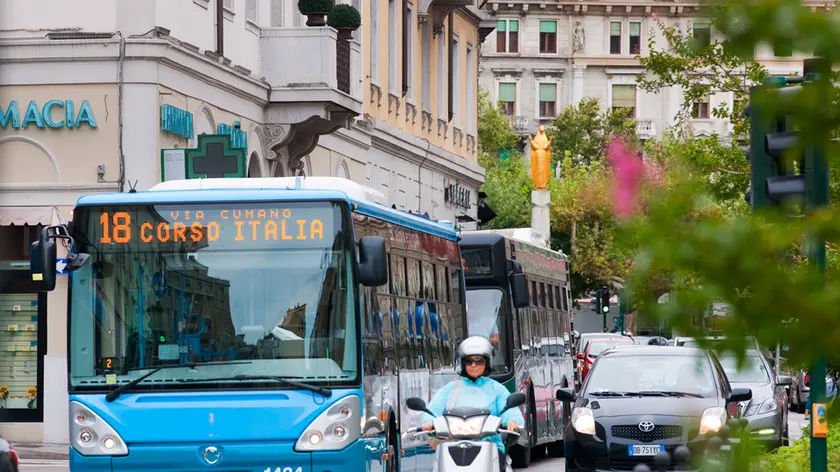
(42, 451)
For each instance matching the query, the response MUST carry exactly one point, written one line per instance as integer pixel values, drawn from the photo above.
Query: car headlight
(766, 406)
(712, 420)
(90, 435)
(583, 420)
(336, 428)
(465, 427)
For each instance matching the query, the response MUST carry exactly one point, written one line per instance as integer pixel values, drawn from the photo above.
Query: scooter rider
(477, 390)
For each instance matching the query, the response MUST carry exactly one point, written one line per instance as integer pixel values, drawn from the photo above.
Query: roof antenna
(133, 188)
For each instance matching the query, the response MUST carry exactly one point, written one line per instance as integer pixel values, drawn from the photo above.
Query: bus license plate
(645, 449)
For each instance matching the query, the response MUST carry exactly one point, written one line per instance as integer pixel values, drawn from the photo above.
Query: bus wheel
(392, 464)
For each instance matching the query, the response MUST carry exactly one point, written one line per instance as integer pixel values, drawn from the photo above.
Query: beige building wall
(384, 98)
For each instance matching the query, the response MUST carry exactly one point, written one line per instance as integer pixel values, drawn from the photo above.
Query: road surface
(796, 422)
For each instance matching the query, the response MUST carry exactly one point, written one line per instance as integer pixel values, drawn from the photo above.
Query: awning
(32, 216)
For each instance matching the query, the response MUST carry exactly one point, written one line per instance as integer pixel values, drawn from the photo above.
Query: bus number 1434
(283, 469)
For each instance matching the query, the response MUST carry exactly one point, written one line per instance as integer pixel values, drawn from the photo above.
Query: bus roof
(366, 200)
(523, 236)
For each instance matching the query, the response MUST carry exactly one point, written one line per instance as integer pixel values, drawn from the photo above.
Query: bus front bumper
(230, 457)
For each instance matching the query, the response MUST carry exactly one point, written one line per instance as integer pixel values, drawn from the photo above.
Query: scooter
(463, 431)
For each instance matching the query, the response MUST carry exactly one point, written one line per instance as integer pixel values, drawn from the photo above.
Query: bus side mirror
(519, 290)
(42, 263)
(373, 265)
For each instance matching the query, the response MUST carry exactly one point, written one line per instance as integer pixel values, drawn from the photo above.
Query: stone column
(578, 72)
(541, 214)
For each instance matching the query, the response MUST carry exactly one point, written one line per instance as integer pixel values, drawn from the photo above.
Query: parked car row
(633, 400)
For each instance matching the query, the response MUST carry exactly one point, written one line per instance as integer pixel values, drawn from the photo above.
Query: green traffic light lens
(606, 309)
(162, 339)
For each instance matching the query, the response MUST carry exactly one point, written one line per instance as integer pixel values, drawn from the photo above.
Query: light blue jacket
(483, 393)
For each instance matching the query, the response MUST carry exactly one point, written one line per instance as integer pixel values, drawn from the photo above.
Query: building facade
(542, 58)
(116, 97)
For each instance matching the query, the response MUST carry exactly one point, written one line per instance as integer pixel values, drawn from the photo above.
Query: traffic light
(596, 303)
(774, 176)
(605, 300)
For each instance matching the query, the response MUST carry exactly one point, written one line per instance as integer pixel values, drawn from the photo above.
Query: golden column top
(540, 159)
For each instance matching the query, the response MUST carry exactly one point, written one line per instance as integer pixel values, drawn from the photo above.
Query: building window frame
(702, 109)
(548, 39)
(393, 46)
(374, 42)
(702, 35)
(614, 41)
(472, 87)
(623, 80)
(408, 23)
(17, 281)
(516, 101)
(505, 31)
(456, 80)
(635, 49)
(538, 103)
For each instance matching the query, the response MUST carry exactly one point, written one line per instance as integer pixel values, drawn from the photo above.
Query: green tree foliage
(495, 130)
(581, 131)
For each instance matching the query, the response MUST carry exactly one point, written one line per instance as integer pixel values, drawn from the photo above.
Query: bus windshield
(486, 318)
(266, 285)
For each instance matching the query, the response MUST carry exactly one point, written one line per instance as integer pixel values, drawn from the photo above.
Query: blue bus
(272, 324)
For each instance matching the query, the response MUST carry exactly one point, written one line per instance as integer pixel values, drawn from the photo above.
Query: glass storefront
(22, 329)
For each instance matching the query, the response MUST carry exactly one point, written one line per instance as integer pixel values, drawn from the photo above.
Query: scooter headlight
(465, 427)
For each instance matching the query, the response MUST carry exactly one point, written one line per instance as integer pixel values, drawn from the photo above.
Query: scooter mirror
(416, 404)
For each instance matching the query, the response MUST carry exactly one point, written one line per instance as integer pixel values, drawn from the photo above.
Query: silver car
(766, 413)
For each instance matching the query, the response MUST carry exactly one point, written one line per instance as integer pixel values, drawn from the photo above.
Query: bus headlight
(336, 428)
(90, 435)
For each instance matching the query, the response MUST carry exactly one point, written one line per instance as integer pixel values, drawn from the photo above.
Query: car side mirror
(373, 265)
(784, 380)
(740, 395)
(565, 395)
(579, 356)
(417, 404)
(514, 400)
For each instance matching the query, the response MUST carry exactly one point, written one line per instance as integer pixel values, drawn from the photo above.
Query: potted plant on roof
(346, 19)
(315, 11)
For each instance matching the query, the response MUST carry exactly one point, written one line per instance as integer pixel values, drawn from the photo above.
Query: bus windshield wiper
(324, 391)
(115, 393)
(654, 393)
(609, 394)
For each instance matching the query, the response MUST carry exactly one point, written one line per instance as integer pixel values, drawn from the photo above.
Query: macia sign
(54, 114)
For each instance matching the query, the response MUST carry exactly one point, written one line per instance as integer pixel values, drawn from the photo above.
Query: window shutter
(548, 93)
(635, 29)
(501, 26)
(548, 26)
(507, 92)
(615, 28)
(624, 96)
(514, 26)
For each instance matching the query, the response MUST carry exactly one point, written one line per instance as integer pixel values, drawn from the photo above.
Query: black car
(641, 400)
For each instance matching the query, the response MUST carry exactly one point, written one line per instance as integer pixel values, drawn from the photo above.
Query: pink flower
(627, 179)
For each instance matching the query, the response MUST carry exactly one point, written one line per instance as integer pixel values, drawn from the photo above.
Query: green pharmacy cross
(214, 157)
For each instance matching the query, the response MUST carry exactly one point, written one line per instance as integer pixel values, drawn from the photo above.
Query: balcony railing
(312, 64)
(646, 128)
(520, 123)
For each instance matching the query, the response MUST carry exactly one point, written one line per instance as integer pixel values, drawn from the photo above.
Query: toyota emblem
(646, 426)
(211, 455)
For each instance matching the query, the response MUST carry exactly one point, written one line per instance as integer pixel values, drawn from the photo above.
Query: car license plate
(645, 449)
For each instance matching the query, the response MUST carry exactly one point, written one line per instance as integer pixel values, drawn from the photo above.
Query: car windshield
(652, 373)
(485, 317)
(269, 284)
(596, 347)
(753, 370)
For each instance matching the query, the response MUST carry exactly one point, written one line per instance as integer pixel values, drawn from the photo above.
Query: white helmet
(475, 346)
